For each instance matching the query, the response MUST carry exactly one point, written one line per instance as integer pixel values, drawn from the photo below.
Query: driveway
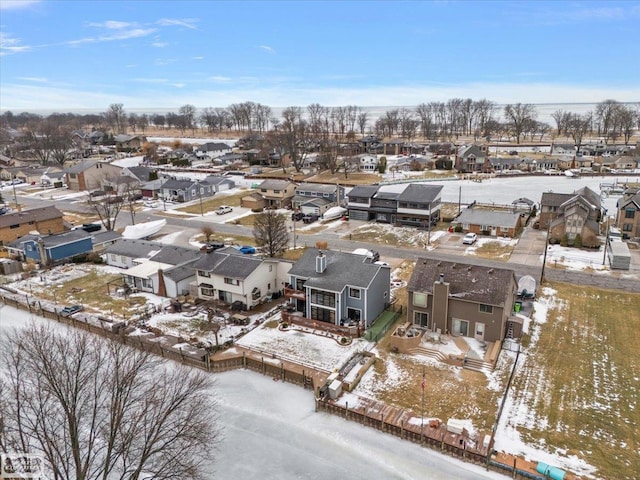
(530, 248)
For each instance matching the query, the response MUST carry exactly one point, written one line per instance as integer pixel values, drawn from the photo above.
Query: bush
(94, 257)
(486, 232)
(458, 229)
(343, 340)
(564, 241)
(577, 242)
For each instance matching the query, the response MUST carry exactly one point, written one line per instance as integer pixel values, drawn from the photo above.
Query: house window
(17, 225)
(486, 308)
(485, 228)
(465, 226)
(421, 318)
(231, 281)
(30, 248)
(72, 175)
(354, 314)
(504, 229)
(354, 292)
(323, 314)
(147, 283)
(31, 222)
(627, 227)
(323, 298)
(270, 268)
(206, 292)
(276, 191)
(193, 192)
(420, 299)
(629, 213)
(204, 274)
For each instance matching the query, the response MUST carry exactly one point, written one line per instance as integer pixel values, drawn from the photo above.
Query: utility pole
(15, 196)
(200, 196)
(544, 258)
(606, 243)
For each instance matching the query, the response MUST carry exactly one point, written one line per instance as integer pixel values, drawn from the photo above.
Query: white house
(229, 276)
(212, 150)
(367, 163)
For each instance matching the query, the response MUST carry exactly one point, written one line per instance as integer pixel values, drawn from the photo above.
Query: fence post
(402, 429)
(244, 360)
(346, 410)
(382, 421)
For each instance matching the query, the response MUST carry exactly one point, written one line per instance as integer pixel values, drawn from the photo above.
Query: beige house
(628, 213)
(277, 193)
(45, 220)
(90, 175)
(465, 300)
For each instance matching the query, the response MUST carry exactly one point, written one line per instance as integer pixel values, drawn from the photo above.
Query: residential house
(572, 214)
(212, 150)
(497, 223)
(277, 193)
(504, 164)
(53, 176)
(228, 276)
(52, 249)
(127, 252)
(253, 201)
(133, 142)
(152, 188)
(338, 288)
(167, 273)
(392, 146)
(45, 220)
(185, 190)
(628, 213)
(140, 173)
(369, 142)
(367, 163)
(317, 198)
(90, 175)
(219, 183)
(29, 175)
(473, 158)
(410, 204)
(563, 149)
(468, 300)
(103, 239)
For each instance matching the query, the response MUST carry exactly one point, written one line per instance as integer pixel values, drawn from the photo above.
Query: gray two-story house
(338, 288)
(408, 204)
(185, 190)
(317, 198)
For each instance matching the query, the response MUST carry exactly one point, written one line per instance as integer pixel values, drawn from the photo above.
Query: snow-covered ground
(270, 430)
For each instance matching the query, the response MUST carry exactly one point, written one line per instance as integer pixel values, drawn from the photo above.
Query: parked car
(211, 247)
(247, 249)
(297, 216)
(309, 218)
(91, 227)
(469, 239)
(68, 311)
(221, 210)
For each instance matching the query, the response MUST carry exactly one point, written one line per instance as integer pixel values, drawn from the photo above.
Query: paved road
(526, 259)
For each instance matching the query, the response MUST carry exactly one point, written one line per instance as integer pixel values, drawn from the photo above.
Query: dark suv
(91, 227)
(211, 247)
(296, 216)
(309, 218)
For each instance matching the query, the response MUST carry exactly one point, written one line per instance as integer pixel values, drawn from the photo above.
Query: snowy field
(270, 430)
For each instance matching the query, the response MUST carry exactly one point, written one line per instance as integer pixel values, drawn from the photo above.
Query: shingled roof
(475, 283)
(33, 215)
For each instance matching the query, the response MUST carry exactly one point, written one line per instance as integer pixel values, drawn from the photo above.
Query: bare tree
(626, 121)
(95, 409)
(109, 206)
(50, 140)
(605, 116)
(208, 232)
(577, 126)
(363, 120)
(519, 116)
(293, 136)
(270, 232)
(117, 118)
(561, 118)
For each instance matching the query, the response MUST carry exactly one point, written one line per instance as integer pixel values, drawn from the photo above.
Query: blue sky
(70, 55)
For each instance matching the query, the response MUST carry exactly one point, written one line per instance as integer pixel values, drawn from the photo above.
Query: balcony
(293, 293)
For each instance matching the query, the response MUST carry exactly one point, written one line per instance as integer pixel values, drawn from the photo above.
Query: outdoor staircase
(478, 365)
(428, 352)
(509, 330)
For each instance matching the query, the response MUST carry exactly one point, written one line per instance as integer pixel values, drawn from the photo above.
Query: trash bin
(517, 307)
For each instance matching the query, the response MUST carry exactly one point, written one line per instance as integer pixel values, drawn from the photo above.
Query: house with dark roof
(338, 288)
(53, 176)
(628, 213)
(228, 276)
(52, 249)
(277, 193)
(185, 190)
(494, 222)
(468, 300)
(90, 174)
(572, 214)
(102, 240)
(212, 149)
(408, 204)
(473, 158)
(140, 173)
(134, 142)
(45, 220)
(128, 252)
(317, 198)
(220, 183)
(168, 272)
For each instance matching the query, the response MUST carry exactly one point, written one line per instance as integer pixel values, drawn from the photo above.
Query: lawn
(495, 249)
(210, 204)
(396, 236)
(579, 380)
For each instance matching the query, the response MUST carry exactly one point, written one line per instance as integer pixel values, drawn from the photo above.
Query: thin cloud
(162, 62)
(220, 79)
(153, 80)
(189, 23)
(197, 58)
(267, 48)
(17, 4)
(119, 35)
(34, 79)
(10, 45)
(179, 85)
(113, 24)
(159, 44)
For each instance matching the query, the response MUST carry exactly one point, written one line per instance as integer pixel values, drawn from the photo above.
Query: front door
(479, 331)
(494, 231)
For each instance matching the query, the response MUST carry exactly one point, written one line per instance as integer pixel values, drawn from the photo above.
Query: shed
(527, 286)
(335, 389)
